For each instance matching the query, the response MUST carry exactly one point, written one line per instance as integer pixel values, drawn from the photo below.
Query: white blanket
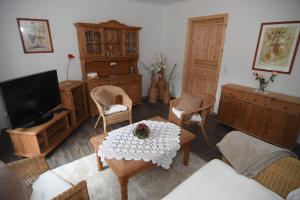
(218, 181)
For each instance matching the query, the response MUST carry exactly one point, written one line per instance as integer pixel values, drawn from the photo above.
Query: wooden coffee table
(126, 169)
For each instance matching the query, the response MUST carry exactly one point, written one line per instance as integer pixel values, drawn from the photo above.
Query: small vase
(262, 88)
(153, 91)
(167, 96)
(161, 85)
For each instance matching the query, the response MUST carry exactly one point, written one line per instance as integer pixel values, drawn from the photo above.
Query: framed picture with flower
(277, 46)
(35, 35)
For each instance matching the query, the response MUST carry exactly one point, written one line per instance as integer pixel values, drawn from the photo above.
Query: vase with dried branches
(167, 96)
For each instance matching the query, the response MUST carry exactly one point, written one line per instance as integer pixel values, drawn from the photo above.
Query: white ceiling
(162, 2)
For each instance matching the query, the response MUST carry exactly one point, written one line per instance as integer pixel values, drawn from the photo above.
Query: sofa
(218, 180)
(277, 173)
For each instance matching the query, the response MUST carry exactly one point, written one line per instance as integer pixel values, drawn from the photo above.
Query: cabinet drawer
(256, 99)
(92, 85)
(235, 94)
(285, 107)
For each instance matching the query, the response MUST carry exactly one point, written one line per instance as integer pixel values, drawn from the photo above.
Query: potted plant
(263, 82)
(141, 131)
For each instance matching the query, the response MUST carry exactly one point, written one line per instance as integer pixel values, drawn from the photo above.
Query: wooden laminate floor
(77, 145)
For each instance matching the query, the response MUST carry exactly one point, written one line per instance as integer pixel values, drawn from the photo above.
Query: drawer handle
(254, 100)
(284, 107)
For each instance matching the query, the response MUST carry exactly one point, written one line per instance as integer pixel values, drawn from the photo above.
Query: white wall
(164, 29)
(244, 22)
(62, 15)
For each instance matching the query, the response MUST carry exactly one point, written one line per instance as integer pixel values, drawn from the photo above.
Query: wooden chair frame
(115, 117)
(204, 110)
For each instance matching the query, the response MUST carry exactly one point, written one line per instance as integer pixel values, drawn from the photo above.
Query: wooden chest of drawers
(273, 117)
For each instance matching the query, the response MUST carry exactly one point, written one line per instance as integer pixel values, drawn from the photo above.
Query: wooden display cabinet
(111, 51)
(73, 95)
(42, 139)
(273, 117)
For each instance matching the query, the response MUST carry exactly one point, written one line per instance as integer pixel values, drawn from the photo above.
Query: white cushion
(218, 181)
(196, 117)
(114, 109)
(294, 195)
(48, 185)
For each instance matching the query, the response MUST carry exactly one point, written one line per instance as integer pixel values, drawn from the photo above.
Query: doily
(160, 147)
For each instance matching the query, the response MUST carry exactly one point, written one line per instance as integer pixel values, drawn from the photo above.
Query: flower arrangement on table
(141, 131)
(263, 82)
(70, 57)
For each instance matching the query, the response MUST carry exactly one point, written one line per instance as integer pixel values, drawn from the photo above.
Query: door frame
(224, 16)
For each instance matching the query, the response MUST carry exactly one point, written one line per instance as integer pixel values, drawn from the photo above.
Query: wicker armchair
(208, 102)
(30, 169)
(115, 117)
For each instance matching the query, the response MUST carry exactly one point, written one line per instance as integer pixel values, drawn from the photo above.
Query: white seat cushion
(114, 109)
(218, 181)
(48, 185)
(196, 117)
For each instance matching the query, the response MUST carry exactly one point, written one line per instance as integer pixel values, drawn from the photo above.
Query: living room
(155, 33)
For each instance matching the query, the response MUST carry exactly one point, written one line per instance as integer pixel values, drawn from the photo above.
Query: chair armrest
(29, 169)
(78, 191)
(127, 102)
(174, 102)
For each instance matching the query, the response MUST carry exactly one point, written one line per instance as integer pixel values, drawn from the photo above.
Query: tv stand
(41, 139)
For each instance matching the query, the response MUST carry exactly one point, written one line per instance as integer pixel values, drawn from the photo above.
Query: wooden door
(135, 90)
(258, 122)
(203, 54)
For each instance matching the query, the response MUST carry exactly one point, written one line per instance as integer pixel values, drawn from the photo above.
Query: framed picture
(277, 46)
(35, 35)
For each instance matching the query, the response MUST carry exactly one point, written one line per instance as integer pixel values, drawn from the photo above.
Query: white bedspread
(218, 181)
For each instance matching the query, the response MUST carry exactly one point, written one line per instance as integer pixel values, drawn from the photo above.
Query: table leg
(186, 153)
(123, 186)
(99, 163)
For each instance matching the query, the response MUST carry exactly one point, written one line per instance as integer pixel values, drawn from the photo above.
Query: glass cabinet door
(93, 42)
(131, 44)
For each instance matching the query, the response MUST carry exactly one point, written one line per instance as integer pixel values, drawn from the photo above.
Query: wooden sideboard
(272, 117)
(110, 50)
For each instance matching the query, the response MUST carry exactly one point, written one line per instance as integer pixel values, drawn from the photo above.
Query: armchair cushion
(189, 102)
(48, 186)
(105, 98)
(11, 187)
(195, 117)
(114, 109)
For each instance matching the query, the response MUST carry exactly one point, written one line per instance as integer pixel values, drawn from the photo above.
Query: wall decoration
(277, 46)
(35, 35)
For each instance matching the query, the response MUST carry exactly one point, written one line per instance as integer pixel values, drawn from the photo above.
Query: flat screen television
(29, 100)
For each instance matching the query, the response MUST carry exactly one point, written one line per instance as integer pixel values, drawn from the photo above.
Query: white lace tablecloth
(160, 147)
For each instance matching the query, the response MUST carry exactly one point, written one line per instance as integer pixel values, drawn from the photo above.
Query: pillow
(105, 98)
(114, 109)
(11, 187)
(188, 102)
(294, 195)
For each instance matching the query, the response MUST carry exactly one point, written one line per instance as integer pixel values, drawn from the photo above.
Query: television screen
(28, 98)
